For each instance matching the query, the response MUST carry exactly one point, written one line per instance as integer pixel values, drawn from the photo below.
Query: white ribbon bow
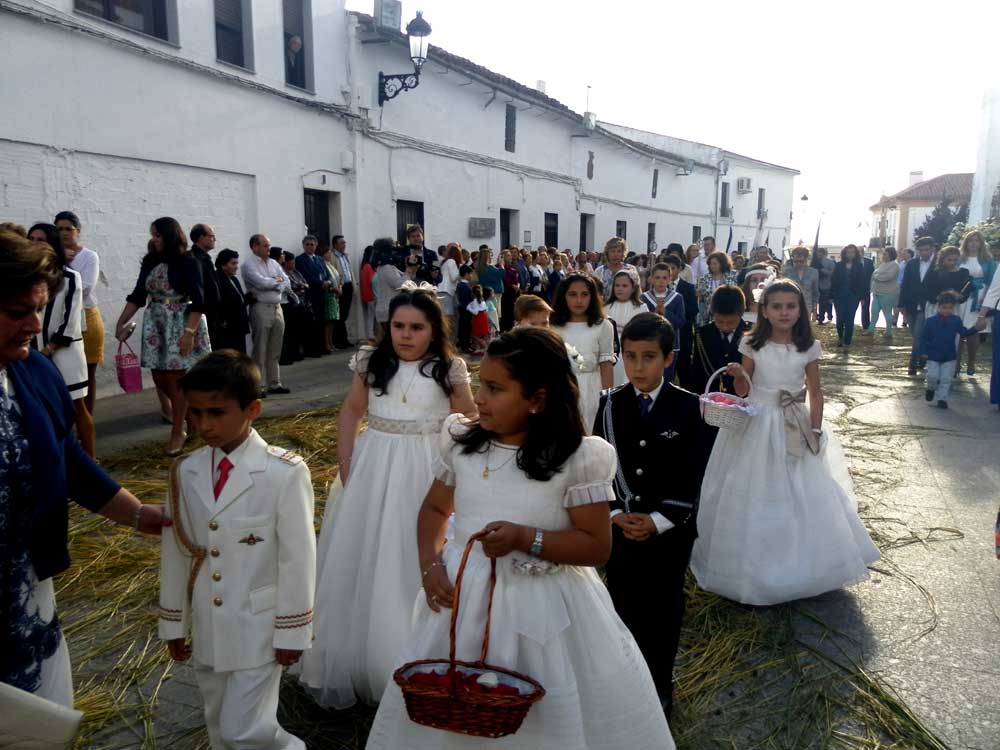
(413, 286)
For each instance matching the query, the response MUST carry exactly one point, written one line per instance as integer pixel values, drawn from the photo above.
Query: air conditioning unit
(743, 185)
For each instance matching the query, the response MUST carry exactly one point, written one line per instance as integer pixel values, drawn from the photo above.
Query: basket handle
(720, 371)
(127, 346)
(458, 591)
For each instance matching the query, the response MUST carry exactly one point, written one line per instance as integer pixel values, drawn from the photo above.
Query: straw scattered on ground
(746, 679)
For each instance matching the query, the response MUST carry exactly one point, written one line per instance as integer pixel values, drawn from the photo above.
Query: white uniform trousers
(241, 709)
(267, 323)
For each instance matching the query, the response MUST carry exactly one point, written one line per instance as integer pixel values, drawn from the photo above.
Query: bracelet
(817, 430)
(192, 331)
(431, 567)
(536, 546)
(136, 517)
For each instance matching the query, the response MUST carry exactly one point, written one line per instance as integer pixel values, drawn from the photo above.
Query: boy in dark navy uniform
(663, 447)
(716, 343)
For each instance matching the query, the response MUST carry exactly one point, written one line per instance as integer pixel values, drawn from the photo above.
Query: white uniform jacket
(254, 592)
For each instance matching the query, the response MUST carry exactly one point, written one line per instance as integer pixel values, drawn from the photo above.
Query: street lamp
(390, 86)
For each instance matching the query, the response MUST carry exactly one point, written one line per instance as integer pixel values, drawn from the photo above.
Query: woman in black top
(234, 323)
(174, 330)
(947, 276)
(849, 286)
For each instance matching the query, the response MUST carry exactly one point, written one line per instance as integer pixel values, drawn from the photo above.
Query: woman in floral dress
(174, 330)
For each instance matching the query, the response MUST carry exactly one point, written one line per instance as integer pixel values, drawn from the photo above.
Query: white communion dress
(776, 525)
(621, 313)
(367, 564)
(558, 626)
(595, 344)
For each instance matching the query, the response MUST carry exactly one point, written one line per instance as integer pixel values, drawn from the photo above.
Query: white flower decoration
(575, 357)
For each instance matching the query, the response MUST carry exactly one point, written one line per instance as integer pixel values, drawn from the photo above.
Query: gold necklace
(413, 378)
(487, 469)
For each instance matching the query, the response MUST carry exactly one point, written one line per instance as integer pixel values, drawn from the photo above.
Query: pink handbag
(129, 372)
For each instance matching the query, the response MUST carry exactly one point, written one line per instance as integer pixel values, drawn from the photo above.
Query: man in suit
(913, 294)
(717, 343)
(314, 271)
(202, 243)
(685, 332)
(663, 448)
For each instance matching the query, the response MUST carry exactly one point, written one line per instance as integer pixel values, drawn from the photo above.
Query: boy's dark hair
(649, 326)
(464, 271)
(225, 371)
(488, 292)
(926, 242)
(728, 300)
(69, 216)
(659, 267)
(948, 297)
(672, 260)
(560, 308)
(537, 359)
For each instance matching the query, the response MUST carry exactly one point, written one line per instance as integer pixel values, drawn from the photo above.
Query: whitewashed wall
(987, 176)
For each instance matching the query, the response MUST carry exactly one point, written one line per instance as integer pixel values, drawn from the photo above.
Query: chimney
(916, 177)
(540, 87)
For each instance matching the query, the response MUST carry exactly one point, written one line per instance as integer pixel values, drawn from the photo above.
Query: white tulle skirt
(368, 571)
(590, 397)
(773, 527)
(560, 629)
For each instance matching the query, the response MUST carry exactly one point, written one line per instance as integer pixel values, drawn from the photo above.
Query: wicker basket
(730, 415)
(451, 707)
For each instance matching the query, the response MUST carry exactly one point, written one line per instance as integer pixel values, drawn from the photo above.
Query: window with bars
(725, 210)
(510, 129)
(695, 233)
(650, 236)
(621, 228)
(656, 180)
(150, 17)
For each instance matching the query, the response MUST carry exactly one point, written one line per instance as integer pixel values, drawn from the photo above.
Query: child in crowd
(685, 333)
(579, 318)
(531, 310)
(623, 305)
(368, 577)
(663, 299)
(778, 520)
(463, 297)
(662, 446)
(238, 567)
(492, 312)
(479, 312)
(717, 343)
(938, 347)
(526, 460)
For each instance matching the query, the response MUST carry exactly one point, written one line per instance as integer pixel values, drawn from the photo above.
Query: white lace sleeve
(592, 470)
(606, 342)
(745, 349)
(443, 467)
(459, 372)
(359, 362)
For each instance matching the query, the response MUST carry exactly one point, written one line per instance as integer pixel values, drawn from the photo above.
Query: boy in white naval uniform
(238, 567)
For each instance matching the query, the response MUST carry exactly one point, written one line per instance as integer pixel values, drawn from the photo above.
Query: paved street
(926, 625)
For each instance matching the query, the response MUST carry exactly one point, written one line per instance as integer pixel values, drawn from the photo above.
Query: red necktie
(225, 466)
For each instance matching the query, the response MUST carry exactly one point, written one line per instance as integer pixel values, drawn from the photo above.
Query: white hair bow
(769, 279)
(414, 286)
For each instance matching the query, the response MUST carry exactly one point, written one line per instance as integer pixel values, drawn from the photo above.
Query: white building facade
(985, 200)
(188, 109)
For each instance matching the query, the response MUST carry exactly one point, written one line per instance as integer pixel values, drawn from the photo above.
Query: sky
(855, 95)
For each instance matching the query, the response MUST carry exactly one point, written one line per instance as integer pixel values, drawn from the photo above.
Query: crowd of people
(584, 446)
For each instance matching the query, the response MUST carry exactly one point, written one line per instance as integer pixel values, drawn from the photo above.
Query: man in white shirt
(340, 340)
(264, 278)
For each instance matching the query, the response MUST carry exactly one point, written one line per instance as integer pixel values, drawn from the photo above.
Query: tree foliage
(942, 220)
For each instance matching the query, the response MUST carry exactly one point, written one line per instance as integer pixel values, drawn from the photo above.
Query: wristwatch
(536, 546)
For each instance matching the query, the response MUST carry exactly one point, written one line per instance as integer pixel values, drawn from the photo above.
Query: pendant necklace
(487, 469)
(406, 390)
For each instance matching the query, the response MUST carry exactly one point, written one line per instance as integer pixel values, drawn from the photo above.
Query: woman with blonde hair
(613, 261)
(976, 259)
(696, 261)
